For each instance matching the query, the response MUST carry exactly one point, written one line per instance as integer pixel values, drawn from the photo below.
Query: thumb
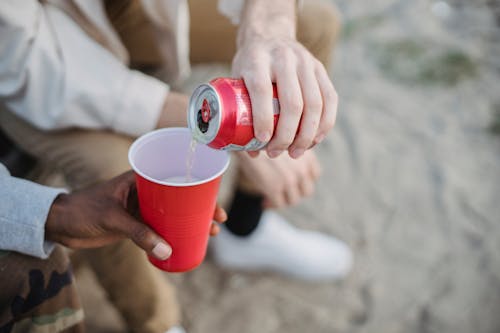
(144, 237)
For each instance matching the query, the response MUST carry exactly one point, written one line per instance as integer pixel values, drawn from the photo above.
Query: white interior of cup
(163, 154)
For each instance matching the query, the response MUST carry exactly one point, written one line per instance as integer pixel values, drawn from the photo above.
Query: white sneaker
(278, 246)
(176, 329)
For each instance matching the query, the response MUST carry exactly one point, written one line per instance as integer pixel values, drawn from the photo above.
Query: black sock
(244, 213)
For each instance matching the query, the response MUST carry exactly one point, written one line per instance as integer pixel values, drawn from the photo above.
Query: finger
(126, 179)
(214, 229)
(330, 103)
(143, 236)
(121, 187)
(260, 90)
(314, 167)
(253, 153)
(315, 171)
(313, 107)
(220, 214)
(277, 200)
(88, 243)
(292, 195)
(306, 187)
(291, 106)
(292, 178)
(267, 204)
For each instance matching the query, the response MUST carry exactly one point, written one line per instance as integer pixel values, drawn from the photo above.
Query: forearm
(262, 18)
(174, 112)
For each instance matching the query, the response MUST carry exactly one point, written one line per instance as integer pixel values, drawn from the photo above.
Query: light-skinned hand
(282, 181)
(269, 52)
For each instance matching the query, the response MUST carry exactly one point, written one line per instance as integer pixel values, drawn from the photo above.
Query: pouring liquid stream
(190, 160)
(188, 177)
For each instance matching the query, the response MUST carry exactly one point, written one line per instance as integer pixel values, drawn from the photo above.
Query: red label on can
(235, 131)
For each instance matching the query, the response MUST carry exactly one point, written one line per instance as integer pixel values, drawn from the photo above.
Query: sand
(411, 181)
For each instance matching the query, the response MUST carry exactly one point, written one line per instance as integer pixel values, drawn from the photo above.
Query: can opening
(203, 117)
(202, 125)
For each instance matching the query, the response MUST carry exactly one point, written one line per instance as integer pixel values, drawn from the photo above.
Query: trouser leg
(86, 157)
(38, 295)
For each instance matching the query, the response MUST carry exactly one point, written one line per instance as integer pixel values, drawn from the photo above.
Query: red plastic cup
(180, 212)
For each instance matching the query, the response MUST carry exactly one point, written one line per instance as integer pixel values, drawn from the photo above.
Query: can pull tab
(205, 111)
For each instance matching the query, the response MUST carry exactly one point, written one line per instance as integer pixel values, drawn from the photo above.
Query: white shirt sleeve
(233, 9)
(54, 75)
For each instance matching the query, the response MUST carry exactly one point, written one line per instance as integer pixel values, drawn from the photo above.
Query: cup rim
(138, 142)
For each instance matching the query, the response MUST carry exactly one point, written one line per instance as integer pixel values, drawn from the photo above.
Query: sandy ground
(411, 181)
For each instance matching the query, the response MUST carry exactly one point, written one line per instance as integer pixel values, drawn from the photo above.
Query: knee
(101, 157)
(320, 20)
(318, 27)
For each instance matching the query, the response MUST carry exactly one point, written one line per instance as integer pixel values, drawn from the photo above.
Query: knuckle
(318, 65)
(285, 54)
(253, 53)
(275, 189)
(308, 190)
(330, 95)
(140, 234)
(251, 58)
(294, 105)
(306, 60)
(108, 219)
(315, 104)
(303, 58)
(302, 142)
(287, 63)
(329, 122)
(255, 83)
(290, 182)
(325, 128)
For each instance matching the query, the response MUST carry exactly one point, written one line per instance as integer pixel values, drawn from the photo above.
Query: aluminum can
(220, 115)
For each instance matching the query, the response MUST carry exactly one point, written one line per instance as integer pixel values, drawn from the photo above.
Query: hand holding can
(307, 96)
(220, 115)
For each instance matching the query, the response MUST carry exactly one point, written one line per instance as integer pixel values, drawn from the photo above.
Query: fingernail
(263, 136)
(319, 138)
(162, 251)
(297, 152)
(253, 153)
(274, 153)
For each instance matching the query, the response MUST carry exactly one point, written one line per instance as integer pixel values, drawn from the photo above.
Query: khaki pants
(86, 157)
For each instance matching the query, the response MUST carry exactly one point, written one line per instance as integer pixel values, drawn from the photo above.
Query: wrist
(262, 20)
(55, 215)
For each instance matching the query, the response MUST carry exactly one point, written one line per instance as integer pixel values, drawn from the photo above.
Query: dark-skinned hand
(105, 213)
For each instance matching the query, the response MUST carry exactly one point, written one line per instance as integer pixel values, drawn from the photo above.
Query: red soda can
(220, 115)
